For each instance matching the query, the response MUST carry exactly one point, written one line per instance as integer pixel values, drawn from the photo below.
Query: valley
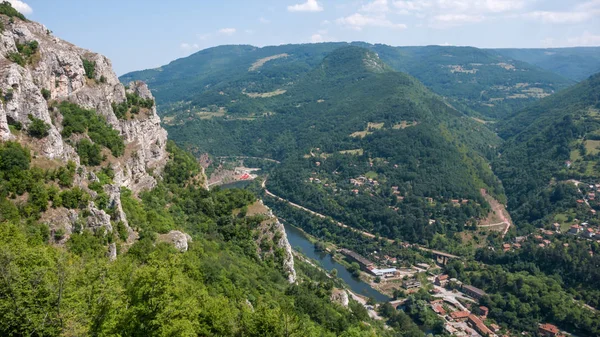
(326, 189)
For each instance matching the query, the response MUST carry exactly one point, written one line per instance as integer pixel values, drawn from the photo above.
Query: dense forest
(546, 145)
(353, 118)
(219, 287)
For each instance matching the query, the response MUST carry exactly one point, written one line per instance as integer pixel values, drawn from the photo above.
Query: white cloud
(189, 46)
(458, 18)
(376, 6)
(359, 21)
(580, 13)
(586, 39)
(21, 6)
(263, 20)
(316, 38)
(308, 6)
(407, 7)
(227, 31)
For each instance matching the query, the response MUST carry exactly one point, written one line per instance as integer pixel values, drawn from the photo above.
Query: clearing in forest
(357, 152)
(370, 127)
(404, 124)
(259, 63)
(264, 94)
(498, 219)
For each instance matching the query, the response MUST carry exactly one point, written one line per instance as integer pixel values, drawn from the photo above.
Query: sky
(142, 34)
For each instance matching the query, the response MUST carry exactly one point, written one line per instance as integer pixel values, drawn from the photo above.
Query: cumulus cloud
(308, 6)
(458, 18)
(359, 21)
(377, 6)
(227, 31)
(21, 6)
(316, 38)
(559, 17)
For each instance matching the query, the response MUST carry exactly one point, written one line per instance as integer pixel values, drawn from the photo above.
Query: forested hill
(577, 63)
(352, 116)
(555, 140)
(482, 82)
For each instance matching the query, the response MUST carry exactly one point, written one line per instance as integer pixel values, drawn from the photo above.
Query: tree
(38, 128)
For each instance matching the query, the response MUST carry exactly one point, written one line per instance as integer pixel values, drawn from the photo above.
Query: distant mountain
(352, 116)
(480, 82)
(576, 63)
(555, 140)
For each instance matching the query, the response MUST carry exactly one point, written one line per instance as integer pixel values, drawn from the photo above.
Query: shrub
(38, 128)
(90, 68)
(89, 153)
(46, 94)
(7, 9)
(14, 157)
(74, 198)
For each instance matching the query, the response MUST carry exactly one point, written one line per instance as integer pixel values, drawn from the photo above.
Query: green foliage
(181, 167)
(25, 52)
(7, 9)
(46, 93)
(14, 157)
(90, 68)
(83, 121)
(89, 153)
(75, 198)
(38, 128)
(132, 104)
(540, 140)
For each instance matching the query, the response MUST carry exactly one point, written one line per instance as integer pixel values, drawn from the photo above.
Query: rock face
(56, 72)
(340, 296)
(179, 239)
(272, 230)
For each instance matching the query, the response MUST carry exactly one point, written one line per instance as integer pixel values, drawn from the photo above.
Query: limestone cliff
(37, 68)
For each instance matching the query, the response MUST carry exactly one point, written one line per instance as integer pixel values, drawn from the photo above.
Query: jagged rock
(112, 251)
(179, 239)
(58, 67)
(98, 219)
(272, 228)
(340, 296)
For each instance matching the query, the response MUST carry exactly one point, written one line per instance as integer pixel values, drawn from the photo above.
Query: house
(410, 284)
(556, 226)
(588, 233)
(495, 327)
(473, 291)
(575, 229)
(438, 309)
(520, 239)
(506, 247)
(363, 262)
(580, 201)
(484, 311)
(538, 238)
(423, 266)
(548, 330)
(460, 316)
(478, 325)
(516, 245)
(547, 242)
(386, 272)
(441, 280)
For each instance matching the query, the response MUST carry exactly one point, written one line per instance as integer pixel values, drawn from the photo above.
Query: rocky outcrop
(56, 71)
(340, 296)
(272, 230)
(178, 239)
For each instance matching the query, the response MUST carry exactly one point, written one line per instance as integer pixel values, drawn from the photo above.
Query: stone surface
(340, 296)
(58, 67)
(179, 239)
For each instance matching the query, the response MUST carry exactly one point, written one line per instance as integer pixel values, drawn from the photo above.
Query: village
(457, 304)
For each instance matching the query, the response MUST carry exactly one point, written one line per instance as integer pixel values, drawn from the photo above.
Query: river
(297, 240)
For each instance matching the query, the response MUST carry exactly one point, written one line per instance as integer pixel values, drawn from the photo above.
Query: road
(363, 233)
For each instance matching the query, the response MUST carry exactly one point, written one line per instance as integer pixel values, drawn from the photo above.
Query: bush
(14, 157)
(90, 68)
(89, 153)
(7, 9)
(46, 94)
(82, 121)
(74, 198)
(38, 128)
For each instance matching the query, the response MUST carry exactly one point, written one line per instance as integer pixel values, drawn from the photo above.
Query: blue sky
(141, 34)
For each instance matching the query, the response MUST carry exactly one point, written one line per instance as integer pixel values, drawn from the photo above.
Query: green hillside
(480, 82)
(576, 63)
(548, 143)
(352, 116)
